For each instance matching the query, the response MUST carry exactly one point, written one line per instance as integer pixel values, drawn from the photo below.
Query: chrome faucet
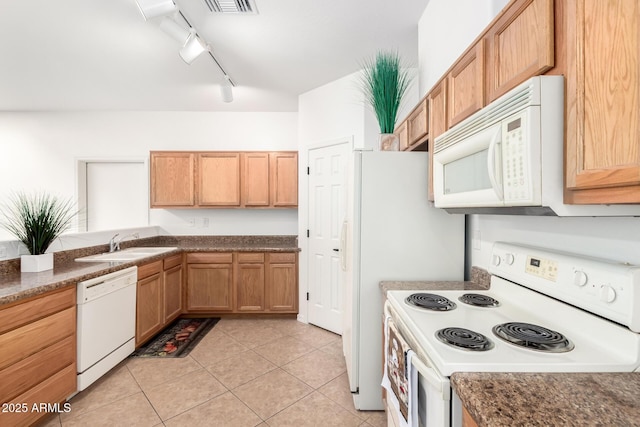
(114, 245)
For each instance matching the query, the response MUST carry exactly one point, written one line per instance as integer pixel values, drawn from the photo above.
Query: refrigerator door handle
(343, 246)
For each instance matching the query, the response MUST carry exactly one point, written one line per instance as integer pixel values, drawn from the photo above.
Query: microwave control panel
(515, 159)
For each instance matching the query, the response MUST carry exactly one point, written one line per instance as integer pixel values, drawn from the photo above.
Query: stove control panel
(605, 287)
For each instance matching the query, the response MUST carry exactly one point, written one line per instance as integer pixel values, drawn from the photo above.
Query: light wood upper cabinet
(437, 123)
(172, 179)
(603, 102)
(466, 85)
(224, 179)
(255, 179)
(403, 136)
(284, 179)
(219, 179)
(418, 123)
(520, 45)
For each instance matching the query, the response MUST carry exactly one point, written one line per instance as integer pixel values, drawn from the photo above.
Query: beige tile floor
(245, 372)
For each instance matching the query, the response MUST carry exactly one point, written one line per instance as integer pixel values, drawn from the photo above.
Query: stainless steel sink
(129, 254)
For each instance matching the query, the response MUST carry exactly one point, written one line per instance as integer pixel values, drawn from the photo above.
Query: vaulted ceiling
(102, 55)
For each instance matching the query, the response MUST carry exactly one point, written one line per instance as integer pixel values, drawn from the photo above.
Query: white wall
(39, 151)
(445, 31)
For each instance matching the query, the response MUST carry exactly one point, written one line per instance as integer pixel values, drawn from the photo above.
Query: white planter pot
(35, 263)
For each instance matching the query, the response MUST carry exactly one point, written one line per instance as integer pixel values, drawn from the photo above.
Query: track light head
(192, 49)
(153, 8)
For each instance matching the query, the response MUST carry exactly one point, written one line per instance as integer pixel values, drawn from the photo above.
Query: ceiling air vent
(232, 6)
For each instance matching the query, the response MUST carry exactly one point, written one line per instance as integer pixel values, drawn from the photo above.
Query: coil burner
(431, 302)
(464, 339)
(479, 300)
(533, 337)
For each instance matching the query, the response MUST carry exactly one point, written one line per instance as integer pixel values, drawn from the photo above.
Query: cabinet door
(282, 283)
(520, 45)
(417, 122)
(149, 307)
(172, 179)
(284, 179)
(219, 179)
(603, 102)
(250, 287)
(403, 136)
(172, 293)
(437, 123)
(255, 179)
(210, 287)
(466, 85)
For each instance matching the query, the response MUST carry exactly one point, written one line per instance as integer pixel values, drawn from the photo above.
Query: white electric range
(545, 311)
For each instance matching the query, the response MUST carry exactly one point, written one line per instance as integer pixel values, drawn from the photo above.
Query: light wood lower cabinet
(210, 282)
(250, 282)
(149, 301)
(38, 361)
(242, 282)
(282, 283)
(172, 288)
(159, 296)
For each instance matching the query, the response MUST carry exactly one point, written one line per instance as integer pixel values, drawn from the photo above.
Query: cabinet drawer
(53, 390)
(23, 313)
(282, 257)
(29, 339)
(250, 257)
(150, 269)
(210, 258)
(27, 373)
(172, 261)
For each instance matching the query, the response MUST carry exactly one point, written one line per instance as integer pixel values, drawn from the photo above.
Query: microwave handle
(495, 177)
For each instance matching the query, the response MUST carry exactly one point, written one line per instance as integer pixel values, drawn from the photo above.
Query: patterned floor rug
(178, 339)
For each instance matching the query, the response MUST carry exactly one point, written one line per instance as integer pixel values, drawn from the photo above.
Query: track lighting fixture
(175, 30)
(192, 48)
(226, 90)
(192, 45)
(153, 8)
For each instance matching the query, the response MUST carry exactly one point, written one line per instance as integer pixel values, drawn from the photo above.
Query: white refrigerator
(391, 232)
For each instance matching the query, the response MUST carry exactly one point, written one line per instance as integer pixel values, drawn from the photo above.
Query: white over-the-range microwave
(507, 158)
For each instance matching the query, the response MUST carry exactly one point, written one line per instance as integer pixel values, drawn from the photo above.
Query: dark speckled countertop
(480, 279)
(15, 285)
(550, 399)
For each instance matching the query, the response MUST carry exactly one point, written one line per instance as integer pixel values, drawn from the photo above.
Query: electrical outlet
(192, 222)
(205, 222)
(3, 252)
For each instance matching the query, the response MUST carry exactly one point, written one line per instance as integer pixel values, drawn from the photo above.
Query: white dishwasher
(106, 323)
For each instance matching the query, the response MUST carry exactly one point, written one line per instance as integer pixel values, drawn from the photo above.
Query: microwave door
(468, 172)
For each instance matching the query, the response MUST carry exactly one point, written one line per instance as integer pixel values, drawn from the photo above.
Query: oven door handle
(429, 374)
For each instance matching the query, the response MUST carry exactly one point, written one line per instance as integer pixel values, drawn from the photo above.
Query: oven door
(431, 399)
(469, 172)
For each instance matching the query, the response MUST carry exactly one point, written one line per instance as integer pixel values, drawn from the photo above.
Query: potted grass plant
(37, 220)
(384, 83)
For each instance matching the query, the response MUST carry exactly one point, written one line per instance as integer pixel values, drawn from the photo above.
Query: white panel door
(117, 195)
(327, 185)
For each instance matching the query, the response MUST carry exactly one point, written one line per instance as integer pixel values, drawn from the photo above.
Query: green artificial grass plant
(37, 220)
(384, 83)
